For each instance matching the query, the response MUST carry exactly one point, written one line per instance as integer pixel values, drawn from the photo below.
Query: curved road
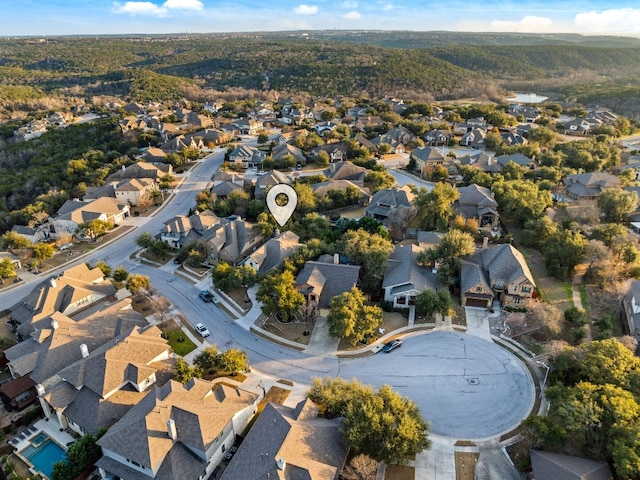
(466, 387)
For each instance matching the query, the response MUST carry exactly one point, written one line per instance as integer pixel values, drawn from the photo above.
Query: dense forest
(428, 65)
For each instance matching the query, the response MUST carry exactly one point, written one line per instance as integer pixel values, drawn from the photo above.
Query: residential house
(428, 158)
(248, 126)
(474, 138)
(357, 111)
(347, 171)
(212, 137)
(482, 161)
(231, 240)
(529, 113)
(18, 394)
(290, 443)
(142, 169)
(15, 261)
(134, 107)
(135, 190)
(273, 252)
(280, 151)
(438, 137)
(519, 159)
(428, 239)
(182, 230)
(181, 142)
(365, 122)
(196, 120)
(337, 152)
(74, 289)
(500, 273)
(74, 213)
(320, 281)
(513, 139)
(386, 203)
(397, 138)
(323, 127)
(176, 432)
(97, 390)
(478, 122)
(581, 126)
(226, 188)
(365, 142)
(154, 154)
(554, 466)
(630, 310)
(478, 203)
(404, 279)
(361, 193)
(602, 114)
(132, 123)
(588, 186)
(33, 234)
(265, 182)
(244, 156)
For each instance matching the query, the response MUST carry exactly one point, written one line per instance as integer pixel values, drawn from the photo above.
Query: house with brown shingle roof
(273, 252)
(320, 281)
(347, 171)
(290, 443)
(479, 203)
(74, 213)
(97, 390)
(142, 169)
(176, 432)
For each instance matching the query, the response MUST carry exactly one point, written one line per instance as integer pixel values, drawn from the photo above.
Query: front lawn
(178, 340)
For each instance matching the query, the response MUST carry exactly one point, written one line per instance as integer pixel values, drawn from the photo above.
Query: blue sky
(60, 17)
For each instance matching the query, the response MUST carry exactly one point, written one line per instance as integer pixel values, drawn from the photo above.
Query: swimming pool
(43, 453)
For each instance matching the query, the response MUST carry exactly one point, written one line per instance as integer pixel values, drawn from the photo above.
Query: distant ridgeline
(444, 65)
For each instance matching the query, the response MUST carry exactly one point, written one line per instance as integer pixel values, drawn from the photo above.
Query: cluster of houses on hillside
(92, 363)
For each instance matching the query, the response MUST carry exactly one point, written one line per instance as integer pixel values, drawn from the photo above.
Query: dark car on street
(392, 345)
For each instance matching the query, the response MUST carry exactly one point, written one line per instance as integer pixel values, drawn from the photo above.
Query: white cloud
(350, 4)
(609, 21)
(352, 15)
(140, 8)
(306, 9)
(527, 24)
(387, 7)
(149, 8)
(183, 4)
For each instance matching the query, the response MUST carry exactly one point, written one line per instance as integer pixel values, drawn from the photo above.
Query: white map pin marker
(282, 213)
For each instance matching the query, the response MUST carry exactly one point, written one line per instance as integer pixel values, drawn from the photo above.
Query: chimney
(53, 283)
(485, 243)
(171, 429)
(40, 389)
(84, 350)
(54, 324)
(336, 258)
(281, 463)
(123, 169)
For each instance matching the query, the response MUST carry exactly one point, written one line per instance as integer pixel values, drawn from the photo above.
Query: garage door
(476, 302)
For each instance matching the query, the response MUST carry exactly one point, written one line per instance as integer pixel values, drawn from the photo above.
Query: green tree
(370, 251)
(385, 426)
(323, 159)
(104, 268)
(183, 372)
(349, 316)
(563, 251)
(81, 454)
(42, 251)
(617, 204)
(333, 393)
(145, 240)
(137, 283)
(120, 274)
(233, 361)
(379, 180)
(7, 270)
(278, 294)
(521, 200)
(13, 240)
(537, 231)
(429, 302)
(263, 138)
(206, 360)
(454, 245)
(306, 199)
(435, 208)
(94, 228)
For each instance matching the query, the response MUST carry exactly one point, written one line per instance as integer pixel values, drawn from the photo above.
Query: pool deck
(51, 428)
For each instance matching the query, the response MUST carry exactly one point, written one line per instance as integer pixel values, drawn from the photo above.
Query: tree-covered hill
(440, 64)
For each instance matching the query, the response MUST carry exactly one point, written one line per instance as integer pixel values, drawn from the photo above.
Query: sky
(95, 17)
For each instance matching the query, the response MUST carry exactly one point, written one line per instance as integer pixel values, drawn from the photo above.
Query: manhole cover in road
(473, 381)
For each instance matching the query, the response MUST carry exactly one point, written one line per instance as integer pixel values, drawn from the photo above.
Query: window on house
(526, 289)
(401, 300)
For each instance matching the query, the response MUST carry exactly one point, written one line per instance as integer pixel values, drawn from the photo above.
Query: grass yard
(178, 340)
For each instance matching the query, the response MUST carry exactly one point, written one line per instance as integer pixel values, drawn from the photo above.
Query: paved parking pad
(466, 387)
